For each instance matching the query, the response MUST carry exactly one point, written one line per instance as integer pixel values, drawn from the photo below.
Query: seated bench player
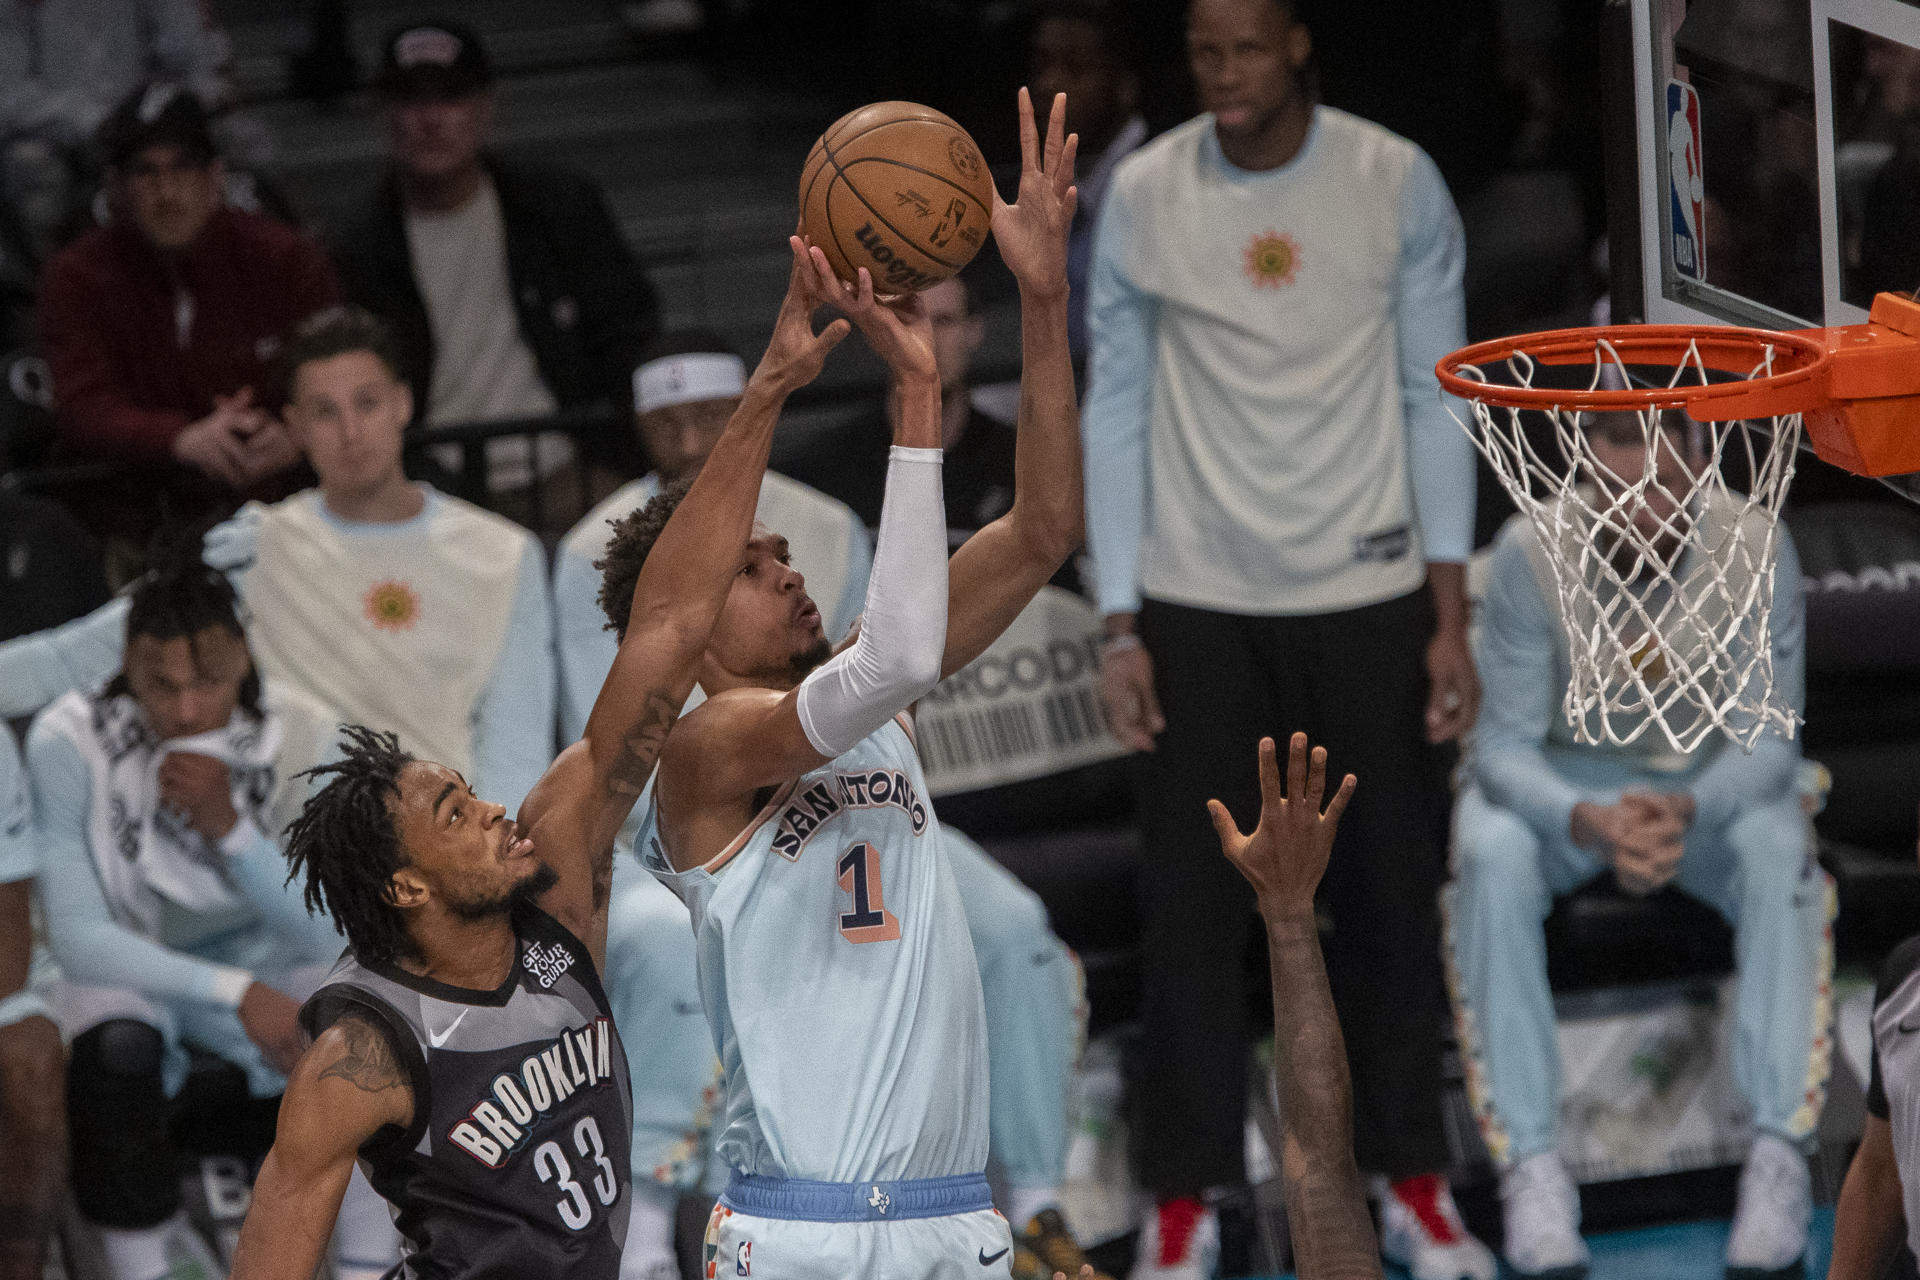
(684, 397)
(1539, 815)
(33, 1130)
(397, 605)
(159, 799)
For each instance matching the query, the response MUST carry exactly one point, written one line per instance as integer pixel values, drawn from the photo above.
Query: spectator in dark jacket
(160, 329)
(508, 286)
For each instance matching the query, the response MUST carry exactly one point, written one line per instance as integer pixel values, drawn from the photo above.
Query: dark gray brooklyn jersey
(516, 1164)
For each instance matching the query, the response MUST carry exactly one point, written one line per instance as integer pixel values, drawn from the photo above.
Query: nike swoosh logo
(438, 1038)
(988, 1259)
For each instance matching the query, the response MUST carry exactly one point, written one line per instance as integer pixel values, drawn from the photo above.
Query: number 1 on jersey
(869, 921)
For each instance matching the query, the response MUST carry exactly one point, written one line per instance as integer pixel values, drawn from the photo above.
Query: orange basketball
(899, 189)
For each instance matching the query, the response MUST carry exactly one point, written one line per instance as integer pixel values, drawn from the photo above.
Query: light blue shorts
(925, 1229)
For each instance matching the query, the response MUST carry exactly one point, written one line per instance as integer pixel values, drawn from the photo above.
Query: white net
(1659, 534)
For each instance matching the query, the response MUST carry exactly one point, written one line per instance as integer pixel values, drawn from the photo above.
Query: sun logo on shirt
(392, 606)
(1273, 260)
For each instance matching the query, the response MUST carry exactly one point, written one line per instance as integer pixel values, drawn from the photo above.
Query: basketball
(899, 189)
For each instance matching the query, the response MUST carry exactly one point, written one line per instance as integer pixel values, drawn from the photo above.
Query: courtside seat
(1602, 936)
(1862, 565)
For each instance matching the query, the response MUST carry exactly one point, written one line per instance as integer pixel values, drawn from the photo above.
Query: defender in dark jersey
(463, 1051)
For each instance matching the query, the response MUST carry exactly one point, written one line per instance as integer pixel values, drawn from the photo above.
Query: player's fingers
(1156, 722)
(1062, 172)
(1225, 827)
(1056, 131)
(1271, 798)
(1029, 135)
(1338, 805)
(1316, 780)
(1130, 723)
(829, 285)
(835, 333)
(1297, 768)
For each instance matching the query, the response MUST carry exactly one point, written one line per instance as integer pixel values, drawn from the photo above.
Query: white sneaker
(1420, 1229)
(1769, 1236)
(1180, 1240)
(1540, 1208)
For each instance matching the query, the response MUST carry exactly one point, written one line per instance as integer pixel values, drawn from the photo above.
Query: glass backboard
(1773, 175)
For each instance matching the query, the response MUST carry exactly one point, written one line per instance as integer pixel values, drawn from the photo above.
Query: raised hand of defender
(1032, 233)
(899, 329)
(1287, 853)
(795, 353)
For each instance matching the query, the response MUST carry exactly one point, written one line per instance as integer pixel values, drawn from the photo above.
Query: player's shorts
(918, 1229)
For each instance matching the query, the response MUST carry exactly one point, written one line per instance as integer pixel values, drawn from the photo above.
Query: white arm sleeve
(903, 632)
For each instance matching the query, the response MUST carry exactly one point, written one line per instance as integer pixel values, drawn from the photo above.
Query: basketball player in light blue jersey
(791, 816)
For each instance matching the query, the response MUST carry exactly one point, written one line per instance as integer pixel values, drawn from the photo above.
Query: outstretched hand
(1032, 234)
(899, 329)
(795, 354)
(1287, 853)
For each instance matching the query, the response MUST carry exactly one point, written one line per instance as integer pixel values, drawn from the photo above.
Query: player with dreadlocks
(463, 1051)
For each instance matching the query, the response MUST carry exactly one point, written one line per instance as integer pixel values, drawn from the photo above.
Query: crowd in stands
(1280, 514)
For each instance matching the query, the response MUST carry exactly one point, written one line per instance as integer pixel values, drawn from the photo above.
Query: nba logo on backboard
(1686, 182)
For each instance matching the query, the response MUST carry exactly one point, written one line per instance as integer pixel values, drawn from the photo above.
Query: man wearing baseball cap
(161, 328)
(508, 287)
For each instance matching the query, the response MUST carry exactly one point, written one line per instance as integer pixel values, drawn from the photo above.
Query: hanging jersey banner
(1027, 708)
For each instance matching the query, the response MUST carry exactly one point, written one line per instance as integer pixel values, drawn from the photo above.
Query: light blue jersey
(839, 979)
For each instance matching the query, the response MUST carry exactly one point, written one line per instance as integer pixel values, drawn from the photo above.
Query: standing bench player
(464, 1051)
(792, 817)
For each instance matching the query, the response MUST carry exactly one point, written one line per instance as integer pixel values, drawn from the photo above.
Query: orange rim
(1797, 384)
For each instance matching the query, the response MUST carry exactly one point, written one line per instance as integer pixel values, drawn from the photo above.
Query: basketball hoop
(1651, 462)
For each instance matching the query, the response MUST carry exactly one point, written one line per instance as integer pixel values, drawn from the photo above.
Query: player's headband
(684, 379)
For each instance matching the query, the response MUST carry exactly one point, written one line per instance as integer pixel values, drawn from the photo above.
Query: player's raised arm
(676, 597)
(747, 738)
(1001, 567)
(1284, 859)
(346, 1088)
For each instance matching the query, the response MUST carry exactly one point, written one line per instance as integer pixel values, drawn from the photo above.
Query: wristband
(230, 987)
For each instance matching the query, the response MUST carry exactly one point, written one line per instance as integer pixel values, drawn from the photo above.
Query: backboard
(1764, 164)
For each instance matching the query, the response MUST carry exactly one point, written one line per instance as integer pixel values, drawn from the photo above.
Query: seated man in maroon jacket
(160, 329)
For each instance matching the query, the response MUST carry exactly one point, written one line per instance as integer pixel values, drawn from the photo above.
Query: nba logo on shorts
(1686, 181)
(743, 1259)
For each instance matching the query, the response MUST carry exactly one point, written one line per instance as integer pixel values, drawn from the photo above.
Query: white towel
(146, 852)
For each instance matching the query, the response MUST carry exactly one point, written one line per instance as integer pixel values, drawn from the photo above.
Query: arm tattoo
(640, 746)
(368, 1064)
(1326, 1205)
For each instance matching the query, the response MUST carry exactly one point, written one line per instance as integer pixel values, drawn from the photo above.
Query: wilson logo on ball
(892, 270)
